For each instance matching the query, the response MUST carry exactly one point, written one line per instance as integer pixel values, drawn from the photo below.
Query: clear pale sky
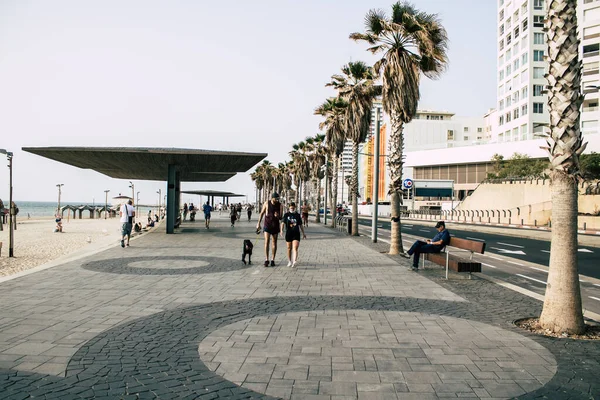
(226, 75)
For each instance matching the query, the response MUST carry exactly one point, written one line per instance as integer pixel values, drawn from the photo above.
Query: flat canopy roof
(215, 193)
(152, 164)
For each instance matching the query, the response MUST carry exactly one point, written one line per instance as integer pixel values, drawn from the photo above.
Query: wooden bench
(456, 262)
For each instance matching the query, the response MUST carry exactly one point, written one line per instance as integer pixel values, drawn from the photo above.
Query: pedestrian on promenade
(434, 245)
(249, 210)
(272, 210)
(305, 210)
(185, 211)
(207, 209)
(292, 221)
(232, 215)
(127, 214)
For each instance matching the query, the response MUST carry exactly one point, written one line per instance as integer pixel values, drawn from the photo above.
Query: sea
(38, 209)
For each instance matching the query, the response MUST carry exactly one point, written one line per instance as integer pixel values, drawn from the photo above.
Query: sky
(233, 75)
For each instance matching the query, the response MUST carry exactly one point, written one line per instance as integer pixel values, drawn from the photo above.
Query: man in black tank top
(272, 211)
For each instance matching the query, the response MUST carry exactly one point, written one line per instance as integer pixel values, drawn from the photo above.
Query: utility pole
(137, 200)
(106, 203)
(59, 186)
(375, 217)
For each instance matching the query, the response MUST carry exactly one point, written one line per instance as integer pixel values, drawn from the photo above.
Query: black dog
(248, 246)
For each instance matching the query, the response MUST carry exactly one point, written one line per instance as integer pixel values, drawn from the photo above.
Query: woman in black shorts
(292, 221)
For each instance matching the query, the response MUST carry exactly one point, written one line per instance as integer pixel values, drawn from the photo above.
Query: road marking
(584, 251)
(539, 269)
(424, 230)
(516, 263)
(472, 238)
(511, 245)
(546, 251)
(595, 298)
(496, 258)
(488, 265)
(504, 251)
(595, 284)
(533, 279)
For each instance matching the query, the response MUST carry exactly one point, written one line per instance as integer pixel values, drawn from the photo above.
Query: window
(524, 8)
(524, 58)
(508, 38)
(508, 101)
(525, 25)
(538, 55)
(500, 90)
(524, 93)
(591, 68)
(525, 76)
(538, 21)
(508, 22)
(524, 43)
(524, 109)
(538, 38)
(523, 132)
(501, 45)
(537, 90)
(508, 70)
(516, 32)
(501, 76)
(508, 55)
(501, 15)
(501, 137)
(501, 60)
(538, 73)
(450, 134)
(501, 120)
(538, 108)
(591, 50)
(516, 113)
(515, 134)
(501, 105)
(516, 96)
(516, 64)
(589, 125)
(538, 4)
(508, 117)
(465, 138)
(479, 130)
(515, 82)
(466, 129)
(501, 29)
(516, 49)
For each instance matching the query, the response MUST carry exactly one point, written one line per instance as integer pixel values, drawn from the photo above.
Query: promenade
(180, 316)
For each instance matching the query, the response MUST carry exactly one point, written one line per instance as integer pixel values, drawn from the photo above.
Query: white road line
(539, 269)
(512, 245)
(584, 251)
(545, 251)
(595, 284)
(424, 230)
(516, 263)
(488, 265)
(533, 279)
(496, 258)
(472, 238)
(595, 298)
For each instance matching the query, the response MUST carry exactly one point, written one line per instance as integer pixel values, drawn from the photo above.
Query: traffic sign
(408, 183)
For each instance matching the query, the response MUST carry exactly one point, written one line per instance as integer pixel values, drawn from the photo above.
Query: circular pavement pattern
(360, 353)
(167, 265)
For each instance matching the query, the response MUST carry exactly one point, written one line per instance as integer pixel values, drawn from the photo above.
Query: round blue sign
(408, 183)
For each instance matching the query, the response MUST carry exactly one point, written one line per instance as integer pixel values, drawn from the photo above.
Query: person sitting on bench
(434, 245)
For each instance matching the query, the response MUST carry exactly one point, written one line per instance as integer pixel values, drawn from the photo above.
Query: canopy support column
(171, 206)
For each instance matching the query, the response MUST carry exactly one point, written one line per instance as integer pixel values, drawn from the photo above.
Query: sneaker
(266, 263)
(295, 264)
(122, 243)
(289, 264)
(272, 263)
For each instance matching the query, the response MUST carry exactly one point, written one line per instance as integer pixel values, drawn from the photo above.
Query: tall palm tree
(357, 87)
(301, 167)
(562, 310)
(334, 111)
(317, 161)
(412, 43)
(256, 177)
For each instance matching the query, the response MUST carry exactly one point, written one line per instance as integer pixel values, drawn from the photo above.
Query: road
(520, 261)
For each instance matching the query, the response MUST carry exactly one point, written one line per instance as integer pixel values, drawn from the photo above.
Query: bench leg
(423, 256)
(447, 259)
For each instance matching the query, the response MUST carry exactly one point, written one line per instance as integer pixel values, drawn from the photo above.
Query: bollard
(585, 226)
(535, 222)
(349, 226)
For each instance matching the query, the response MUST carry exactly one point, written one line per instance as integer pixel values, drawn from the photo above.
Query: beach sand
(36, 243)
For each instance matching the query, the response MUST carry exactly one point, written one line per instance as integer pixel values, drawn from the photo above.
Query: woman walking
(292, 221)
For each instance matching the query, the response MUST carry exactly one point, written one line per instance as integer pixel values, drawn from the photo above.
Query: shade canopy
(152, 164)
(215, 193)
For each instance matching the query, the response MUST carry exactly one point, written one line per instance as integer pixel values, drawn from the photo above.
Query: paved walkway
(179, 316)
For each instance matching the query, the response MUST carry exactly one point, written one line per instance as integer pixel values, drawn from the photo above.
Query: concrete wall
(507, 195)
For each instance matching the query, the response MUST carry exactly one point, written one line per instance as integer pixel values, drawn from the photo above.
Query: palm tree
(412, 42)
(317, 161)
(258, 182)
(357, 87)
(334, 111)
(562, 310)
(301, 168)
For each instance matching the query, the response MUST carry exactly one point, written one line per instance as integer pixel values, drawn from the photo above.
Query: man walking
(127, 214)
(434, 245)
(272, 210)
(207, 209)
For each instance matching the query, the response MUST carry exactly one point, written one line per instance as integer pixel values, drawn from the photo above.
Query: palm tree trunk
(562, 310)
(354, 188)
(318, 219)
(298, 192)
(334, 190)
(395, 163)
(562, 304)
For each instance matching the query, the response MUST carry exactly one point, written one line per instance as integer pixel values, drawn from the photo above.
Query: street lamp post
(106, 203)
(137, 200)
(159, 196)
(375, 216)
(59, 186)
(11, 237)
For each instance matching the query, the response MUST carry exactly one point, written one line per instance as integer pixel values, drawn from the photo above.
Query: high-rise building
(522, 112)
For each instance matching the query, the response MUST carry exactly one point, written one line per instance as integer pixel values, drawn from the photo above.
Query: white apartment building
(521, 101)
(442, 129)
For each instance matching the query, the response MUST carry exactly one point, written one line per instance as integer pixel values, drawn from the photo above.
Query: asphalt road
(520, 261)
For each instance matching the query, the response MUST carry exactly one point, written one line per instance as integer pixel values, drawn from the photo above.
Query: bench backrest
(465, 244)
